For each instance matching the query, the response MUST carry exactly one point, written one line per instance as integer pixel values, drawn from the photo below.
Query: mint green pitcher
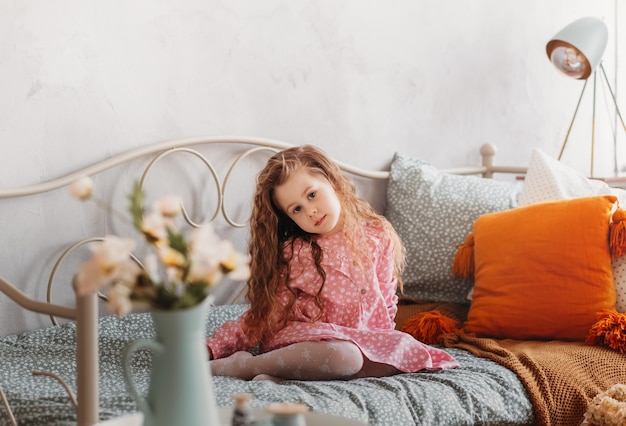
(181, 386)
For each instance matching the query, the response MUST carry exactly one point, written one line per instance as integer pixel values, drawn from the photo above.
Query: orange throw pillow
(542, 271)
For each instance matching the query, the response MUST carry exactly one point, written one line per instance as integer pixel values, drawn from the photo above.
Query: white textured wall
(81, 81)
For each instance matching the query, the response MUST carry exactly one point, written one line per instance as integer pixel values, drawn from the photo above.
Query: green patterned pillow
(433, 212)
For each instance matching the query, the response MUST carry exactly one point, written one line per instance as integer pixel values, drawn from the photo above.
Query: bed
(70, 372)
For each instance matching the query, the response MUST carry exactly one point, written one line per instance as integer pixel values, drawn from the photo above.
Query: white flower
(173, 274)
(203, 238)
(203, 254)
(212, 259)
(112, 251)
(82, 188)
(168, 206)
(235, 264)
(119, 299)
(242, 267)
(91, 278)
(110, 264)
(155, 225)
(127, 273)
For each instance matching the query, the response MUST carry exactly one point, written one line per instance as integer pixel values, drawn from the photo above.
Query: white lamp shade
(577, 49)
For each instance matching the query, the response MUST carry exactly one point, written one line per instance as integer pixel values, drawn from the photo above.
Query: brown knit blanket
(561, 378)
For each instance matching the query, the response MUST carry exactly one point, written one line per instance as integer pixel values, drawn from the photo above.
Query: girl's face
(310, 201)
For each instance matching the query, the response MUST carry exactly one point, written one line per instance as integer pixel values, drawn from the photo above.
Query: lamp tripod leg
(593, 125)
(582, 92)
(617, 111)
(619, 114)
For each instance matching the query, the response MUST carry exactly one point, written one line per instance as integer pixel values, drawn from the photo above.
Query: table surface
(312, 419)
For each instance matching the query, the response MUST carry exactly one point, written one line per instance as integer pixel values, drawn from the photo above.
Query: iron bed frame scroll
(86, 311)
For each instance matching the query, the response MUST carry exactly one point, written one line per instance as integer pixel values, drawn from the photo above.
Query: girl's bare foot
(268, 377)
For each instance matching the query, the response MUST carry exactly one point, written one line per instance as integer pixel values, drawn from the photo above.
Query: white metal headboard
(486, 169)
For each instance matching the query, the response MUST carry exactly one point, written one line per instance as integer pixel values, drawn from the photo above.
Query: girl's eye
(312, 195)
(297, 209)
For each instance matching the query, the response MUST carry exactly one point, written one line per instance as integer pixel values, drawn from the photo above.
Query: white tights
(325, 360)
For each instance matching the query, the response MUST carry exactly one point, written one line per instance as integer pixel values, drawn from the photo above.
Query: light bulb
(570, 61)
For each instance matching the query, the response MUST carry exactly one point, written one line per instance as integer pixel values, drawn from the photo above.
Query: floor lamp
(577, 51)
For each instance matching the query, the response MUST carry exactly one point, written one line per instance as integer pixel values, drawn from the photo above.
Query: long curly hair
(271, 231)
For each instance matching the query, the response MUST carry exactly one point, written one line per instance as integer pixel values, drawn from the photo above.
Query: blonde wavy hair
(271, 230)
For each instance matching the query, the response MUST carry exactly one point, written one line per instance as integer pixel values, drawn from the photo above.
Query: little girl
(324, 273)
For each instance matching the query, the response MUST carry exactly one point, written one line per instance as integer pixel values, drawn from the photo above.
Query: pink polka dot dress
(359, 306)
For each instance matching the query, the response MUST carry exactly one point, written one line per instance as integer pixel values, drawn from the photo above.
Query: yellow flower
(170, 257)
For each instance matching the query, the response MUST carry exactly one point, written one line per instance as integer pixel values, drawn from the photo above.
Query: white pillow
(548, 179)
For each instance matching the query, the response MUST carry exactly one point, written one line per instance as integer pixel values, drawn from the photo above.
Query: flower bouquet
(177, 272)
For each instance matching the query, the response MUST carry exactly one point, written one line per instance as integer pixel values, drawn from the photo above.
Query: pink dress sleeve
(385, 264)
(228, 339)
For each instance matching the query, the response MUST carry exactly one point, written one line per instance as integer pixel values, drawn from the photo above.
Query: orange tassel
(429, 327)
(617, 234)
(463, 264)
(609, 330)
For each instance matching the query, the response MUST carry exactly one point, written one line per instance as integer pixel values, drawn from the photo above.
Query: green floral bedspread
(479, 392)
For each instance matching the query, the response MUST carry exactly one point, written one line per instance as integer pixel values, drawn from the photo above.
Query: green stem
(106, 207)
